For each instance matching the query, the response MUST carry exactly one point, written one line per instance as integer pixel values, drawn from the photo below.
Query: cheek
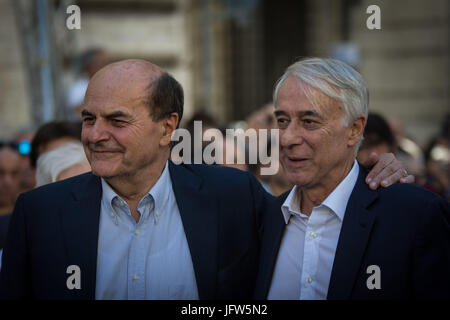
(84, 135)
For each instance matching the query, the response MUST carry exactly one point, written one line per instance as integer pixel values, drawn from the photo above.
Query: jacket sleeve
(15, 280)
(431, 266)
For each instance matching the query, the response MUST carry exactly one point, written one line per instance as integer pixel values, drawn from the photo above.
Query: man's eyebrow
(278, 113)
(86, 113)
(299, 114)
(116, 114)
(312, 113)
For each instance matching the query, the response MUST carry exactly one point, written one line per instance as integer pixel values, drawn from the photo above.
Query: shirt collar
(336, 201)
(159, 192)
(291, 205)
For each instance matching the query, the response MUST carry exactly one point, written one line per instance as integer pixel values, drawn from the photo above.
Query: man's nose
(98, 132)
(291, 136)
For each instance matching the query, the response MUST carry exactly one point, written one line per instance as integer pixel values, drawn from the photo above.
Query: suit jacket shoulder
(404, 230)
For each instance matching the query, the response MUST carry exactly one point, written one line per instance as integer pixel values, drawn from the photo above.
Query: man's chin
(299, 180)
(105, 173)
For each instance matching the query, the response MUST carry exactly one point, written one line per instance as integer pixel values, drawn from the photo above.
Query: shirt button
(112, 214)
(136, 232)
(313, 235)
(122, 203)
(135, 277)
(309, 280)
(157, 213)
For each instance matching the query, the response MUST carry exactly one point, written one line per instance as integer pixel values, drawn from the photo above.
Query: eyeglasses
(23, 147)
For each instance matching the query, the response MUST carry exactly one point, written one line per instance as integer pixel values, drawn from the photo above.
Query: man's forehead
(306, 98)
(128, 77)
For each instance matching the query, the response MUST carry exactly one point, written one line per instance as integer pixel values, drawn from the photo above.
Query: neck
(313, 196)
(132, 188)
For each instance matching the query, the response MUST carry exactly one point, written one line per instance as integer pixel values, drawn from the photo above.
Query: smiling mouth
(104, 154)
(296, 161)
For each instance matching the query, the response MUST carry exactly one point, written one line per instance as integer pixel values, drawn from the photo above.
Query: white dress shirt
(308, 246)
(149, 259)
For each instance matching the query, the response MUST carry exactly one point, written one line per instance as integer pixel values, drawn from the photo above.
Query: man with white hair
(334, 237)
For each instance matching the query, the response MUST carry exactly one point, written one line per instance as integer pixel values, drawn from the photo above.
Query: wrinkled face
(119, 136)
(314, 144)
(9, 176)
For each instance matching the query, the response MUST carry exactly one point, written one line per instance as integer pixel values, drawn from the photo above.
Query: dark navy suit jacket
(402, 229)
(57, 225)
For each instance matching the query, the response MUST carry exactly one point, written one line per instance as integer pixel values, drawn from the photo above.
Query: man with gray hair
(331, 236)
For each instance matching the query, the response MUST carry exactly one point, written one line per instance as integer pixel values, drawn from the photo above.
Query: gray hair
(50, 164)
(335, 79)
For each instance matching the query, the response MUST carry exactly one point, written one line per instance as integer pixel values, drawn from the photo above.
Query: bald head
(138, 80)
(131, 77)
(131, 69)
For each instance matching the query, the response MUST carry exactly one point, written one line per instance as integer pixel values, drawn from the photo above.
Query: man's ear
(356, 130)
(170, 124)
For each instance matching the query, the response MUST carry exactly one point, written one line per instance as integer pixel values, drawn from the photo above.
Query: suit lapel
(80, 224)
(199, 214)
(273, 230)
(353, 239)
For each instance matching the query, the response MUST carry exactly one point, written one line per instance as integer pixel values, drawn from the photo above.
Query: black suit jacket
(4, 223)
(57, 225)
(402, 229)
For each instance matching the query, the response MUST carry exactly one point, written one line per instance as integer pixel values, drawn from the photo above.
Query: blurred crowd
(54, 151)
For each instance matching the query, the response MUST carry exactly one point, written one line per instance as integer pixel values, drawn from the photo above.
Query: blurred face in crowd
(119, 135)
(365, 150)
(9, 176)
(55, 143)
(74, 170)
(315, 148)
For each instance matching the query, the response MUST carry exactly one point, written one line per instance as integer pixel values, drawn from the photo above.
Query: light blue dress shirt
(149, 259)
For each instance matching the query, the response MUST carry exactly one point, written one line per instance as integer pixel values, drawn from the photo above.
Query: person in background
(89, 63)
(437, 157)
(207, 122)
(27, 171)
(378, 138)
(408, 151)
(65, 161)
(263, 118)
(9, 185)
(51, 135)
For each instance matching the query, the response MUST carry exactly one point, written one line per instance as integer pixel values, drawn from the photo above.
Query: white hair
(335, 79)
(50, 164)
